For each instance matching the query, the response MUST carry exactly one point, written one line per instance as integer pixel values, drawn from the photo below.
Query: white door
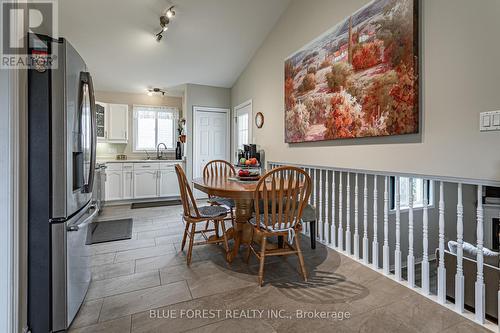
(145, 184)
(113, 185)
(211, 138)
(243, 120)
(169, 186)
(118, 123)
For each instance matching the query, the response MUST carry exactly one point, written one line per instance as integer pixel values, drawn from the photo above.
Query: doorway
(243, 120)
(211, 128)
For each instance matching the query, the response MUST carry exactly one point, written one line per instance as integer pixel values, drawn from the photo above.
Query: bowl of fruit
(247, 175)
(249, 163)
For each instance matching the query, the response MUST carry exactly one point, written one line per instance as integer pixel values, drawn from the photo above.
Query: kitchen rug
(109, 231)
(137, 205)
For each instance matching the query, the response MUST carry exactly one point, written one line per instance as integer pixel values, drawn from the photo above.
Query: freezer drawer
(71, 267)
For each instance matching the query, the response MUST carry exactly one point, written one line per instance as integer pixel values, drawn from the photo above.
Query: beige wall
(108, 150)
(460, 79)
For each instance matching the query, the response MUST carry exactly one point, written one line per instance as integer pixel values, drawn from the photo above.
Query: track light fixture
(155, 91)
(164, 21)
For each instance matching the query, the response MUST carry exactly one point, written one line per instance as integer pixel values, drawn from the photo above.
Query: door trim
(235, 127)
(197, 109)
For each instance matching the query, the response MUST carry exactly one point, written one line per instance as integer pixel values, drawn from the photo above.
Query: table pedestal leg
(243, 231)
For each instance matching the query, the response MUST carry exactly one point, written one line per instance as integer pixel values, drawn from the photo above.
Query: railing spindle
(317, 203)
(348, 216)
(334, 230)
(397, 251)
(324, 200)
(330, 204)
(441, 268)
(459, 276)
(385, 250)
(365, 221)
(479, 290)
(375, 224)
(340, 233)
(356, 218)
(411, 258)
(425, 240)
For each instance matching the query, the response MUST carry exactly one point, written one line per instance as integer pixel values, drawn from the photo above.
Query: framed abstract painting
(359, 79)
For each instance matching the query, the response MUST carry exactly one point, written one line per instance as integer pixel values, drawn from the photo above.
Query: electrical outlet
(489, 121)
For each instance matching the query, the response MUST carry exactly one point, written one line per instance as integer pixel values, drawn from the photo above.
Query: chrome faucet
(158, 155)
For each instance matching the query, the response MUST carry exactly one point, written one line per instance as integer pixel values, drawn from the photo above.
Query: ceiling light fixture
(155, 91)
(164, 21)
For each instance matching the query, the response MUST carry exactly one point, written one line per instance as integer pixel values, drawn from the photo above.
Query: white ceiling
(208, 42)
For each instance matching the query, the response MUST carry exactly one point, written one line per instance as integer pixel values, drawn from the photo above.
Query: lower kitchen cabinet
(113, 185)
(128, 185)
(129, 181)
(168, 184)
(145, 184)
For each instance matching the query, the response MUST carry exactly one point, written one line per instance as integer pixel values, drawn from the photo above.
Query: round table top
(225, 187)
(229, 187)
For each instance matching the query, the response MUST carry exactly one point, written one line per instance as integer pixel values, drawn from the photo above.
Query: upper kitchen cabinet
(102, 120)
(118, 123)
(112, 122)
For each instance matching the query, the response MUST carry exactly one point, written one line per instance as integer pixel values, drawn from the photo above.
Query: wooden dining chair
(280, 198)
(221, 168)
(192, 215)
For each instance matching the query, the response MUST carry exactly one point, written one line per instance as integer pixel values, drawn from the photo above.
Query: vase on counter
(178, 151)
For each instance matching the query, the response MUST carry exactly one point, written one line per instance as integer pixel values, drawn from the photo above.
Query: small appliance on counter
(121, 157)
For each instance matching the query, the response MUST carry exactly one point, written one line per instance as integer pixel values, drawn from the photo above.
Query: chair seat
(223, 201)
(212, 211)
(309, 213)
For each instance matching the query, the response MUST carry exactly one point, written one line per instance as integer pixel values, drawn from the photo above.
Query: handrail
(448, 179)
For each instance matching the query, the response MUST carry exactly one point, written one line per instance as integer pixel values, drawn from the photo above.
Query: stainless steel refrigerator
(62, 157)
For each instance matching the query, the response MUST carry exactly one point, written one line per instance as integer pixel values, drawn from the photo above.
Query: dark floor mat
(109, 231)
(137, 205)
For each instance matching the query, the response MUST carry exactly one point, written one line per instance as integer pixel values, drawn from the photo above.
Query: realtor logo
(21, 22)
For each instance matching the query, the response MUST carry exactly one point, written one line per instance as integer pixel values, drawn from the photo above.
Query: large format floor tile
(123, 284)
(142, 300)
(139, 283)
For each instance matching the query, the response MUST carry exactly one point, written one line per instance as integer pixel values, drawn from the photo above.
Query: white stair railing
(356, 218)
(459, 276)
(330, 209)
(397, 251)
(348, 216)
(441, 269)
(425, 240)
(386, 249)
(375, 224)
(365, 221)
(479, 291)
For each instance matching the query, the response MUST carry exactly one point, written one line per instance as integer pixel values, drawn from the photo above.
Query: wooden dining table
(242, 193)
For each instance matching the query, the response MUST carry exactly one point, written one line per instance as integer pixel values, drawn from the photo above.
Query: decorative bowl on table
(248, 163)
(247, 175)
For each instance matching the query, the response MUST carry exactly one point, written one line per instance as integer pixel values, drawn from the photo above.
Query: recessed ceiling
(208, 42)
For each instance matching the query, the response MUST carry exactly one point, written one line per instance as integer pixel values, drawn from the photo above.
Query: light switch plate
(489, 121)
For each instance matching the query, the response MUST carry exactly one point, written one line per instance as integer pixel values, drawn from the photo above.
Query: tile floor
(149, 272)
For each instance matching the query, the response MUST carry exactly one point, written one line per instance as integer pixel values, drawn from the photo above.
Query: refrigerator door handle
(88, 220)
(87, 78)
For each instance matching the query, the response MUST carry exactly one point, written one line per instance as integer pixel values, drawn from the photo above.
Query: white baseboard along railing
(458, 217)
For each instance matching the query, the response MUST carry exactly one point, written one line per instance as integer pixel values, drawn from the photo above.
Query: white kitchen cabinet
(168, 184)
(102, 121)
(140, 180)
(128, 181)
(145, 184)
(117, 123)
(114, 185)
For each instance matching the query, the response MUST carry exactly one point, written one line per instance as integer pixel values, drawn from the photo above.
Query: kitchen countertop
(139, 161)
